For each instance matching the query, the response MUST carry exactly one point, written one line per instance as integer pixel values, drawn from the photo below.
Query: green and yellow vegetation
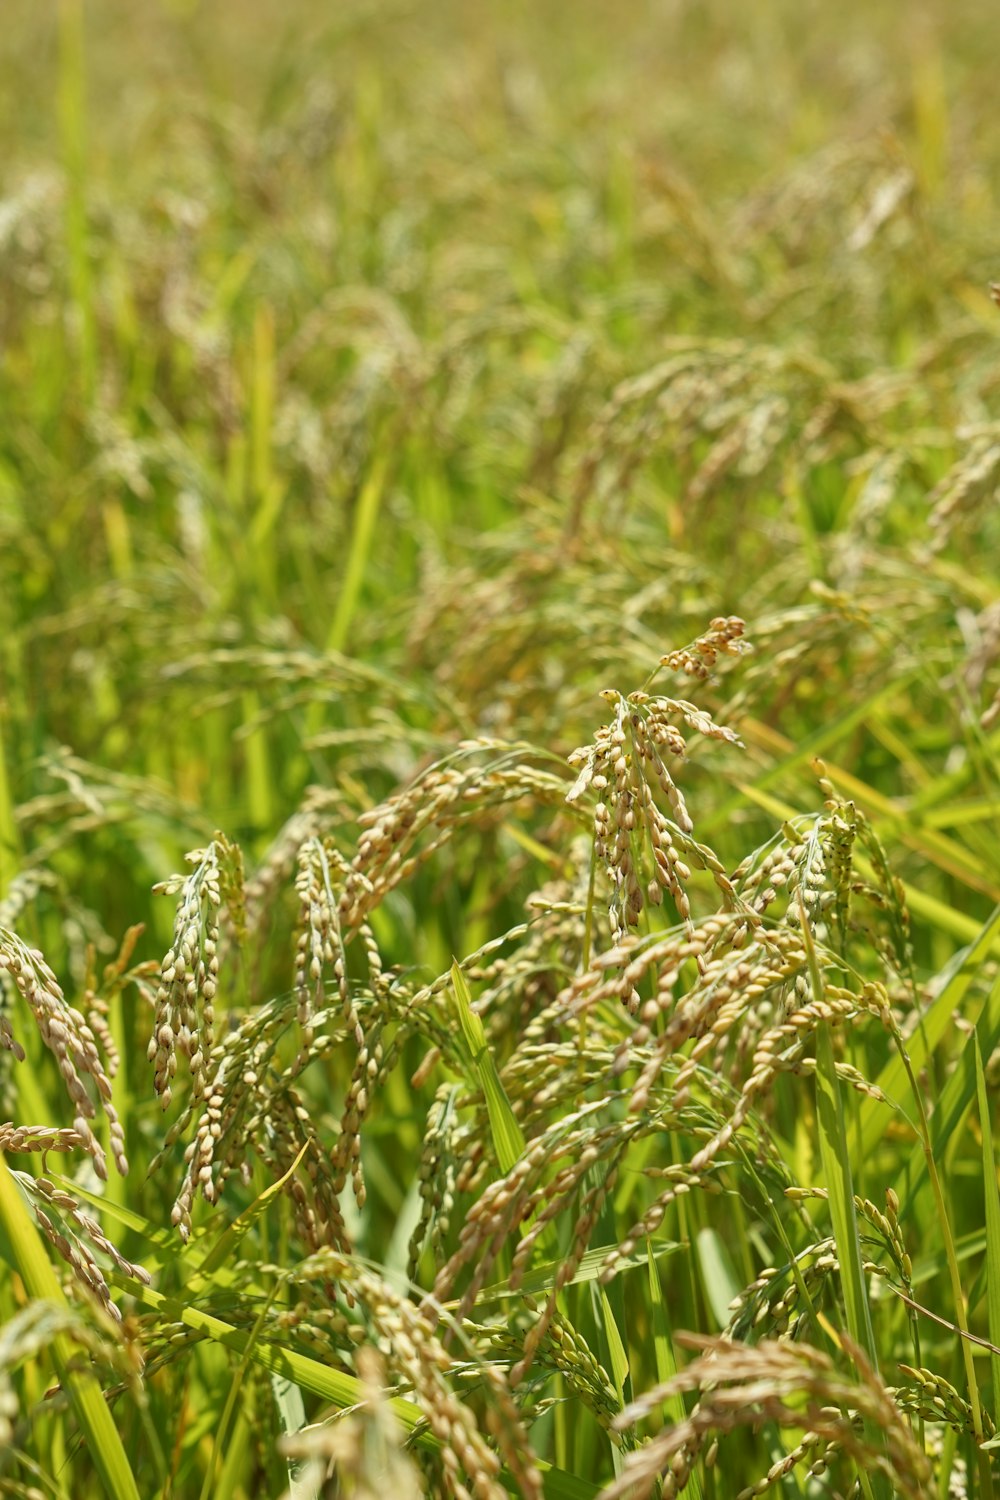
(499, 745)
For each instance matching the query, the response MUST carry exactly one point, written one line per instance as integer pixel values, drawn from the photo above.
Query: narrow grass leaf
(163, 1247)
(225, 1246)
(717, 1275)
(663, 1351)
(926, 1267)
(82, 1388)
(794, 756)
(616, 1349)
(236, 1385)
(835, 1156)
(365, 517)
(912, 1185)
(837, 1172)
(933, 1026)
(292, 1416)
(992, 1195)
(508, 1138)
(947, 854)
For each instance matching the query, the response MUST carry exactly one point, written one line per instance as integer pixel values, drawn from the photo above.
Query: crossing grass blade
(226, 1245)
(794, 756)
(940, 916)
(938, 849)
(81, 1387)
(337, 1387)
(835, 1156)
(662, 1341)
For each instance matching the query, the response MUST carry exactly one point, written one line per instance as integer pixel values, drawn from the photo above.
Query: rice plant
(499, 741)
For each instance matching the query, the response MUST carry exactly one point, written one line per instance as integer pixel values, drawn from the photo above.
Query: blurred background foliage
(490, 346)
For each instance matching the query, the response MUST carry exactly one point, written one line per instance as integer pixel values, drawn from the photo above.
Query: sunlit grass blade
(616, 1348)
(160, 1245)
(96, 1422)
(794, 756)
(992, 1197)
(365, 518)
(226, 1245)
(943, 1211)
(717, 1275)
(947, 854)
(508, 1138)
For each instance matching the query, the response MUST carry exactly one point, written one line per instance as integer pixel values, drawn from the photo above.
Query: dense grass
(577, 1044)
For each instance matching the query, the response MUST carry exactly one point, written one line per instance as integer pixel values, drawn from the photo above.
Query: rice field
(499, 747)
